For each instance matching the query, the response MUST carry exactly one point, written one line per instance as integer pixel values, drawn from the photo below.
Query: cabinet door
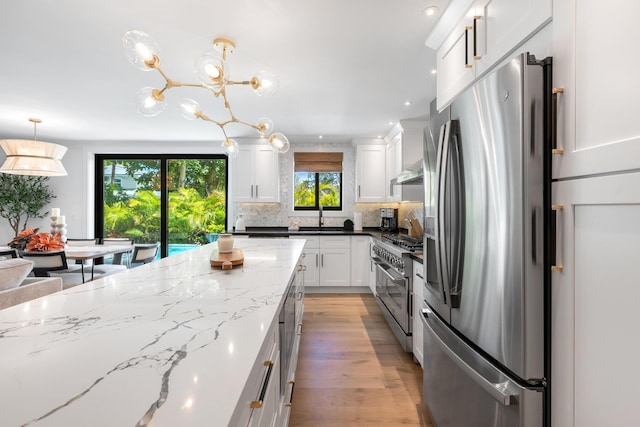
(360, 262)
(370, 173)
(598, 127)
(455, 62)
(335, 267)
(267, 175)
(312, 262)
(418, 286)
(501, 25)
(394, 167)
(243, 176)
(594, 321)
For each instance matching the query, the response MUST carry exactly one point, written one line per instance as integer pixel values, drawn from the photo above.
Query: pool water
(175, 248)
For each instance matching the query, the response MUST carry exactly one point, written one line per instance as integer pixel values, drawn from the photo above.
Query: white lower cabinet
(418, 296)
(595, 295)
(258, 404)
(360, 262)
(328, 260)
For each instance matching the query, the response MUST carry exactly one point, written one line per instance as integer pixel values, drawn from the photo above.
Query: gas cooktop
(413, 244)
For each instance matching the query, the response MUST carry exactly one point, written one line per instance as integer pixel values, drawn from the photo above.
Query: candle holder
(58, 226)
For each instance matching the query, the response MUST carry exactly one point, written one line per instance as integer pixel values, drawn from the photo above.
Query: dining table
(92, 252)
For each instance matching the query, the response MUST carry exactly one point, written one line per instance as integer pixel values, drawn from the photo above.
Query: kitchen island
(171, 343)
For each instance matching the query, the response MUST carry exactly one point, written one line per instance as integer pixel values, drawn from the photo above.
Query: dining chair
(54, 264)
(82, 242)
(144, 253)
(117, 258)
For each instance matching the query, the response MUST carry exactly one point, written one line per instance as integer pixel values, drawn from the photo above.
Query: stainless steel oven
(394, 293)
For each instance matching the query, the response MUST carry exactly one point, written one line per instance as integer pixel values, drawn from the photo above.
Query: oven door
(393, 290)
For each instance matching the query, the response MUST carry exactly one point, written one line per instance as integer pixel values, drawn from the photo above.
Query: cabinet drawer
(335, 242)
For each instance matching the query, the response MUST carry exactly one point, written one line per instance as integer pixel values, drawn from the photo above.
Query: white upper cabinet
(593, 60)
(370, 173)
(404, 151)
(455, 62)
(502, 25)
(256, 177)
(488, 32)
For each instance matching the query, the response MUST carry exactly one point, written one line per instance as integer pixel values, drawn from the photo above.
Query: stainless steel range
(391, 254)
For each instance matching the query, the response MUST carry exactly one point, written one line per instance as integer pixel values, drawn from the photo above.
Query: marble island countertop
(169, 343)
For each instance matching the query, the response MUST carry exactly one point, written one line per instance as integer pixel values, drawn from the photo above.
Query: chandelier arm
(208, 119)
(243, 82)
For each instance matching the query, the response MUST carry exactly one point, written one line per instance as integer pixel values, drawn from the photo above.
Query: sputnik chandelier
(212, 73)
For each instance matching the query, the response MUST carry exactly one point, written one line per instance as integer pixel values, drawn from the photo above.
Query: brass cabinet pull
(475, 37)
(257, 404)
(289, 404)
(555, 149)
(557, 247)
(466, 47)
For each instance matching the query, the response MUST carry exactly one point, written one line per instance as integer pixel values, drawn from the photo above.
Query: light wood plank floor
(351, 370)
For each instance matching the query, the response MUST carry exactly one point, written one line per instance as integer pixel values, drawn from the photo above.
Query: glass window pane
(196, 204)
(330, 189)
(305, 190)
(132, 199)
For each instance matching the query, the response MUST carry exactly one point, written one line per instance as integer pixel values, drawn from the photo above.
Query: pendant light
(25, 157)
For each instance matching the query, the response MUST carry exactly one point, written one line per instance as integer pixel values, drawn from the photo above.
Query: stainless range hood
(412, 175)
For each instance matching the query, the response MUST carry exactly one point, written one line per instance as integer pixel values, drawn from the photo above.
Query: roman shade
(317, 162)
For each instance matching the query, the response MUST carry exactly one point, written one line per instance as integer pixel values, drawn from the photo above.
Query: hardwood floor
(351, 370)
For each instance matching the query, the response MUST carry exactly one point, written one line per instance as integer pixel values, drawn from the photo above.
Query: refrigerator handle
(498, 391)
(440, 244)
(456, 249)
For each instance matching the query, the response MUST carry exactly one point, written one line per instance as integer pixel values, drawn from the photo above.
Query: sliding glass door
(176, 200)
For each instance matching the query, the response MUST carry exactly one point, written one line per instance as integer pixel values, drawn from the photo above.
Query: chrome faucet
(320, 220)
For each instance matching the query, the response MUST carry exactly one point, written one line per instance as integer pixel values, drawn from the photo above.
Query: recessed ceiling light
(407, 103)
(320, 137)
(391, 123)
(430, 11)
(434, 71)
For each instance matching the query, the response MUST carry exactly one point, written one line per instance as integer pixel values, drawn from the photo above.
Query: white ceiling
(346, 67)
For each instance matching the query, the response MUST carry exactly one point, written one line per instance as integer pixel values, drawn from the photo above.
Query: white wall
(74, 192)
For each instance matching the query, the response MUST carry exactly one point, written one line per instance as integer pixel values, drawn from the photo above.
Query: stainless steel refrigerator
(485, 314)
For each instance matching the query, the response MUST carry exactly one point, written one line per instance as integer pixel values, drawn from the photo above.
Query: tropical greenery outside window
(174, 199)
(317, 181)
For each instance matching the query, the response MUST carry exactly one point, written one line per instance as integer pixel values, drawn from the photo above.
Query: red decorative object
(20, 241)
(45, 242)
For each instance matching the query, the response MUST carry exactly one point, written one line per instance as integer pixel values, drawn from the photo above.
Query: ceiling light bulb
(265, 126)
(231, 147)
(265, 83)
(150, 101)
(434, 71)
(141, 50)
(190, 109)
(430, 11)
(211, 70)
(407, 103)
(279, 142)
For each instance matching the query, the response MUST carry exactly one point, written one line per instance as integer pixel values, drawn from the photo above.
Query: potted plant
(22, 198)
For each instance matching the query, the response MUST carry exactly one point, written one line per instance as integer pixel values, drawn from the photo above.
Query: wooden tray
(227, 260)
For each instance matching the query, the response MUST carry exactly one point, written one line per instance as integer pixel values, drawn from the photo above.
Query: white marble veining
(169, 343)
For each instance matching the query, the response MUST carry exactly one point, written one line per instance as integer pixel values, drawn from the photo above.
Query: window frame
(98, 212)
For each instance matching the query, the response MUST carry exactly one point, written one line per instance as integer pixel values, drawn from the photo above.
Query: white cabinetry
(490, 30)
(258, 405)
(360, 262)
(256, 177)
(594, 302)
(598, 125)
(327, 261)
(370, 173)
(311, 260)
(335, 261)
(418, 296)
(404, 150)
